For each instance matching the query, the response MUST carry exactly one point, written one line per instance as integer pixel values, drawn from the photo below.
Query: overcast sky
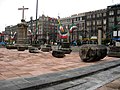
(10, 15)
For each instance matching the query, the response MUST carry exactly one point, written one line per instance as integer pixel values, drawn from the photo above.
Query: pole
(72, 30)
(31, 28)
(99, 36)
(36, 18)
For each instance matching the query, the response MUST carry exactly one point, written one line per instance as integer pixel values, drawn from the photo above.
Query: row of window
(96, 15)
(102, 14)
(98, 22)
(94, 28)
(112, 12)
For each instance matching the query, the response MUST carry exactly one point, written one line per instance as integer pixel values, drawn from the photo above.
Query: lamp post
(36, 19)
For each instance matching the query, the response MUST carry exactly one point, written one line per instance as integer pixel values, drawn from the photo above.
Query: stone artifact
(22, 36)
(11, 46)
(114, 51)
(46, 48)
(92, 52)
(33, 50)
(65, 47)
(22, 32)
(21, 48)
(58, 53)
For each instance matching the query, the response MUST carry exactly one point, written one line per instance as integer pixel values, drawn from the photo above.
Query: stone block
(33, 50)
(21, 48)
(58, 53)
(92, 52)
(45, 49)
(11, 47)
(66, 51)
(65, 45)
(114, 51)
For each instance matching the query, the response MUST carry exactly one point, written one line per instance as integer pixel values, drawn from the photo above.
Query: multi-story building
(79, 21)
(87, 24)
(46, 28)
(113, 20)
(93, 21)
(108, 19)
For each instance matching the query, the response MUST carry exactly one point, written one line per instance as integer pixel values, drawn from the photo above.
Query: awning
(117, 39)
(93, 37)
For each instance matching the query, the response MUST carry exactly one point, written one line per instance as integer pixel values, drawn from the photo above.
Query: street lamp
(36, 18)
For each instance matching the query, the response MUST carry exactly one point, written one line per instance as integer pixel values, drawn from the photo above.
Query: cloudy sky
(10, 15)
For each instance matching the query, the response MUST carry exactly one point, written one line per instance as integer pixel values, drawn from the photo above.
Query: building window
(104, 14)
(93, 15)
(88, 23)
(80, 19)
(99, 22)
(111, 19)
(89, 16)
(76, 18)
(118, 18)
(98, 15)
(93, 22)
(111, 25)
(104, 28)
(118, 11)
(111, 13)
(104, 21)
(93, 28)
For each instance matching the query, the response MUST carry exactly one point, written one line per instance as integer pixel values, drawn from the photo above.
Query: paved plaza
(17, 64)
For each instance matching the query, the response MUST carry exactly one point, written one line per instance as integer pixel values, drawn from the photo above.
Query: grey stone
(19, 81)
(58, 53)
(11, 47)
(12, 87)
(4, 83)
(114, 51)
(33, 50)
(67, 85)
(92, 52)
(26, 85)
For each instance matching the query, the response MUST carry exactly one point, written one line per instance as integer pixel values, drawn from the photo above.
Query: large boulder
(92, 52)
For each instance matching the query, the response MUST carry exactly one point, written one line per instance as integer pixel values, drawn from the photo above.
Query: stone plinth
(33, 50)
(66, 51)
(46, 48)
(58, 53)
(114, 51)
(11, 46)
(65, 47)
(21, 48)
(21, 35)
(92, 52)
